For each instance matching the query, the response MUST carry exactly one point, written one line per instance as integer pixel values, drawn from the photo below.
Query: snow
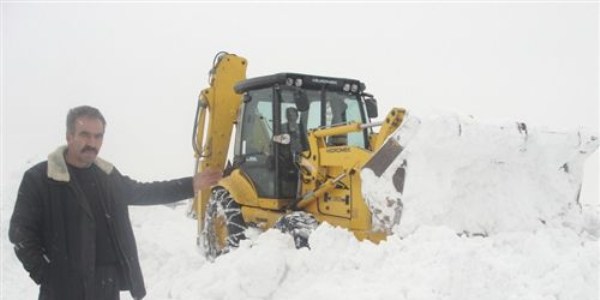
(482, 177)
(425, 259)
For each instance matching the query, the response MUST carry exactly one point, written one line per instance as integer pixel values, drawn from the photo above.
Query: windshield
(265, 160)
(337, 108)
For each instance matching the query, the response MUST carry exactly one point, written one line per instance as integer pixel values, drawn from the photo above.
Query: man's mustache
(89, 148)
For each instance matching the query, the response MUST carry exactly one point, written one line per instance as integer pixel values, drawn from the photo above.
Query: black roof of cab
(312, 82)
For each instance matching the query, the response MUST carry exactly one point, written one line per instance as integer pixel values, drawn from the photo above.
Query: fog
(143, 65)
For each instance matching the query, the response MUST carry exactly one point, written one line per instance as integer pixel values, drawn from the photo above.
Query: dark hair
(82, 111)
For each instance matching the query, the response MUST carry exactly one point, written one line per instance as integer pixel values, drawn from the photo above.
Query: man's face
(84, 143)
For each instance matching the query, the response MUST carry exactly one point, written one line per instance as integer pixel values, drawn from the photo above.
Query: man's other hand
(206, 179)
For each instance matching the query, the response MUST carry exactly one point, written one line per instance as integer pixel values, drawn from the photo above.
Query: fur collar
(57, 166)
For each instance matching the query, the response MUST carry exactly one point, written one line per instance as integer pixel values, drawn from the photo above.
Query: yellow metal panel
(240, 188)
(262, 218)
(392, 122)
(374, 237)
(333, 206)
(273, 204)
(338, 130)
(244, 193)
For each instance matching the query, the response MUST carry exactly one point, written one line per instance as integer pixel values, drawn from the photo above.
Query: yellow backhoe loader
(304, 146)
(300, 144)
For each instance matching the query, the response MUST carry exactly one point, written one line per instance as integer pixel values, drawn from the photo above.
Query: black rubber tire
(224, 225)
(299, 225)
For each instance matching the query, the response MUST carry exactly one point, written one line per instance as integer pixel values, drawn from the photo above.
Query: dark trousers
(106, 287)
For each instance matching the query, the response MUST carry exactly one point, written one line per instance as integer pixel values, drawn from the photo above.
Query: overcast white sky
(143, 65)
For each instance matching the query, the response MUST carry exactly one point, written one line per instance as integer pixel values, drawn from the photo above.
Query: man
(70, 224)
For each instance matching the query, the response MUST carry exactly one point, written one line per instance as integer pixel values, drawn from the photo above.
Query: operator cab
(276, 114)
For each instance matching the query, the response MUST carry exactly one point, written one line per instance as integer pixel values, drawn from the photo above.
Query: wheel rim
(221, 232)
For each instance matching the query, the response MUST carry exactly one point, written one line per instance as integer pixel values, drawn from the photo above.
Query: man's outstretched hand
(206, 179)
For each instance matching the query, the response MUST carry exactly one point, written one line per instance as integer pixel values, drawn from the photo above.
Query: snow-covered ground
(556, 260)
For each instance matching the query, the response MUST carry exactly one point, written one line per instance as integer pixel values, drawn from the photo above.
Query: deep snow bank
(431, 263)
(482, 178)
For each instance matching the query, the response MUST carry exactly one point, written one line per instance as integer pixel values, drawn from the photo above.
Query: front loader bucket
(474, 177)
(386, 208)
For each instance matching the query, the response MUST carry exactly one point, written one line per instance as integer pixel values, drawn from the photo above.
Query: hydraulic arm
(215, 116)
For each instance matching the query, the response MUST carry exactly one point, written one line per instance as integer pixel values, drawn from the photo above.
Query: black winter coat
(53, 228)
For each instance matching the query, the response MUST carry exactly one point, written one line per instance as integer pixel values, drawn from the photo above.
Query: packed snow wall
(479, 178)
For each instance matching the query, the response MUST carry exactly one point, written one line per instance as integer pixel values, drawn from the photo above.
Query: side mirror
(371, 105)
(301, 100)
